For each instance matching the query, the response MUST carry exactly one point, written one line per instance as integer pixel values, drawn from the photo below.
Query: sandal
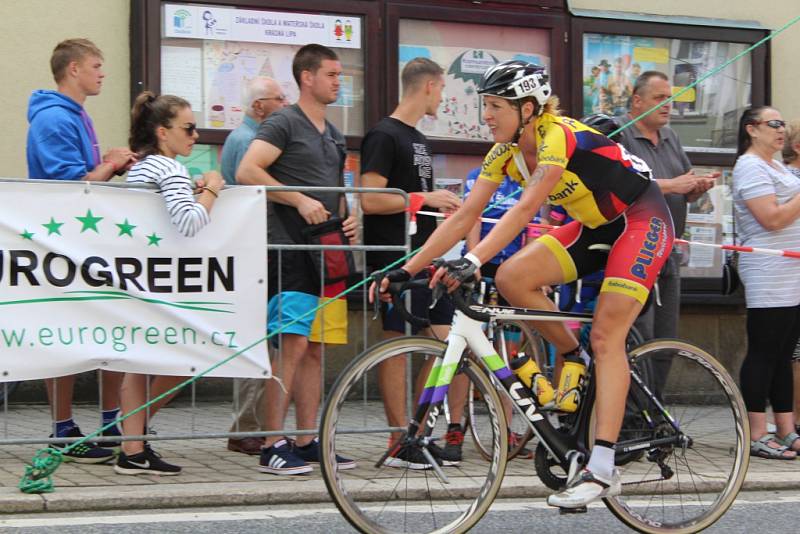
(788, 440)
(762, 449)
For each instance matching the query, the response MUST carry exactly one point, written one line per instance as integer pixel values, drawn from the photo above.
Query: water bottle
(493, 299)
(570, 385)
(529, 374)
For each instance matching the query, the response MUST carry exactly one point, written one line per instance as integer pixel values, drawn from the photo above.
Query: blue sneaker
(310, 454)
(281, 460)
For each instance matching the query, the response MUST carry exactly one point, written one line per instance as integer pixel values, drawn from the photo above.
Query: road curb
(270, 491)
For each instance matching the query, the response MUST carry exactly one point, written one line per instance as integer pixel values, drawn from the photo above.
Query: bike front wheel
(394, 493)
(690, 478)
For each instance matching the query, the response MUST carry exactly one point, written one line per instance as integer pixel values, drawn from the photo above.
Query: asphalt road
(753, 512)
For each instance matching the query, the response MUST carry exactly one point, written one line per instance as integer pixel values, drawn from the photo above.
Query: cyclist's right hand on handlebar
(395, 275)
(455, 272)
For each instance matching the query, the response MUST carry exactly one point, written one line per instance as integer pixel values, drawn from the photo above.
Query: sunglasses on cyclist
(774, 123)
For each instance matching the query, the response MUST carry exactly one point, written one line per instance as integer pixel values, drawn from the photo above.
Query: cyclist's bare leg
(520, 280)
(613, 318)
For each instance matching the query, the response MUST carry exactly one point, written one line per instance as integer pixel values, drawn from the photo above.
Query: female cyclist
(610, 195)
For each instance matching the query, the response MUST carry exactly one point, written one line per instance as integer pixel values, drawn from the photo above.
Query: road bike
(683, 450)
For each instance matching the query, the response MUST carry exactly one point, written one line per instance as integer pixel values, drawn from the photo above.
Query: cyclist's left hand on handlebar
(455, 272)
(395, 275)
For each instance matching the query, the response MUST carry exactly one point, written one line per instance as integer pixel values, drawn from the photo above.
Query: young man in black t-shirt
(395, 154)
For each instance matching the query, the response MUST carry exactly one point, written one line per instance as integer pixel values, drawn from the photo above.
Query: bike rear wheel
(686, 486)
(377, 498)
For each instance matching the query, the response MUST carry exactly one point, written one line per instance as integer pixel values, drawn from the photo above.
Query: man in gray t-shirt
(297, 146)
(658, 145)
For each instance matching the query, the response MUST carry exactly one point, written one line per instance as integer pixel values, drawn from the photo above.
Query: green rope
(38, 475)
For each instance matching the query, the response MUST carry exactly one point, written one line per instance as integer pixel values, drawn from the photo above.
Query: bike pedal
(565, 511)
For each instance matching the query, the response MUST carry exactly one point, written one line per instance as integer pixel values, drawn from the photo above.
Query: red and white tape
(738, 248)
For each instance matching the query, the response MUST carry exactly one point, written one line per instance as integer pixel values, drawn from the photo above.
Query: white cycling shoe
(587, 487)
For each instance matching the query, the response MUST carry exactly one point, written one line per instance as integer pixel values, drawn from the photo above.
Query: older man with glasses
(262, 97)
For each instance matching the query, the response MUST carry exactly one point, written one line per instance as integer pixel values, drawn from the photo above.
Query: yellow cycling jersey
(600, 179)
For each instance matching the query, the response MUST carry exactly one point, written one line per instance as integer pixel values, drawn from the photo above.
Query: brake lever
(377, 278)
(438, 292)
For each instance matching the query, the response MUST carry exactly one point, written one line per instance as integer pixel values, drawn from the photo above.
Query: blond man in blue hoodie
(62, 145)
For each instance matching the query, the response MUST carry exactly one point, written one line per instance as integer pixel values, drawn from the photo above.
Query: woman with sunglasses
(162, 127)
(766, 199)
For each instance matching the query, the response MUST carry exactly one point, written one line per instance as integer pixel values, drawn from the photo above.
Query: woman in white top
(162, 127)
(767, 209)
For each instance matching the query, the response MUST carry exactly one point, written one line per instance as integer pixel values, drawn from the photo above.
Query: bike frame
(467, 332)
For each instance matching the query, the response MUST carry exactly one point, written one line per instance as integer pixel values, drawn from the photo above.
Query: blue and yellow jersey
(600, 179)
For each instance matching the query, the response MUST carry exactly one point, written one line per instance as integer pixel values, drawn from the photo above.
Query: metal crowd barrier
(35, 429)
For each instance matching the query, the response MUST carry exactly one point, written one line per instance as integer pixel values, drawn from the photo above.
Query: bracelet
(206, 188)
(473, 259)
(114, 167)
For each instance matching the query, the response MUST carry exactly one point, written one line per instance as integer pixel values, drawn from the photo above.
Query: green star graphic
(153, 239)
(126, 228)
(53, 227)
(27, 235)
(89, 222)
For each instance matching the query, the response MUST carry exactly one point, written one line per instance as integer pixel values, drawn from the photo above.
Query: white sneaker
(587, 487)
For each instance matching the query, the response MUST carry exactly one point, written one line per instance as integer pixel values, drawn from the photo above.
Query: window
(611, 51)
(465, 51)
(209, 53)
(705, 117)
(206, 51)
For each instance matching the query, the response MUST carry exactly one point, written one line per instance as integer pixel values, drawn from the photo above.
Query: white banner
(229, 24)
(97, 277)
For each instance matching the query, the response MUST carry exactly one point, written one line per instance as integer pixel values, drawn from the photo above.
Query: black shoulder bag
(333, 265)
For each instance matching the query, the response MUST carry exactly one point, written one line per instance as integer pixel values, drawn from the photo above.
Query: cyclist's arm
(542, 181)
(473, 236)
(455, 227)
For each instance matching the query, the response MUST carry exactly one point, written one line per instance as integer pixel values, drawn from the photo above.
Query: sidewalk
(214, 476)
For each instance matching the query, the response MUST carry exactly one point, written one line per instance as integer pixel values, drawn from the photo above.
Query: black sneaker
(410, 457)
(280, 459)
(85, 453)
(310, 454)
(147, 462)
(451, 454)
(112, 433)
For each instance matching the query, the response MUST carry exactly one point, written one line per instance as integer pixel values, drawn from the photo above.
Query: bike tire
(708, 472)
(534, 346)
(383, 499)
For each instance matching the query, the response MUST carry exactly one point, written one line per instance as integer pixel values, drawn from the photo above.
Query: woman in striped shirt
(766, 199)
(162, 127)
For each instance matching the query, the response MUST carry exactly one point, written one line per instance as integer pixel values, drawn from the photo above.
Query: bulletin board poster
(709, 219)
(705, 116)
(210, 54)
(465, 52)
